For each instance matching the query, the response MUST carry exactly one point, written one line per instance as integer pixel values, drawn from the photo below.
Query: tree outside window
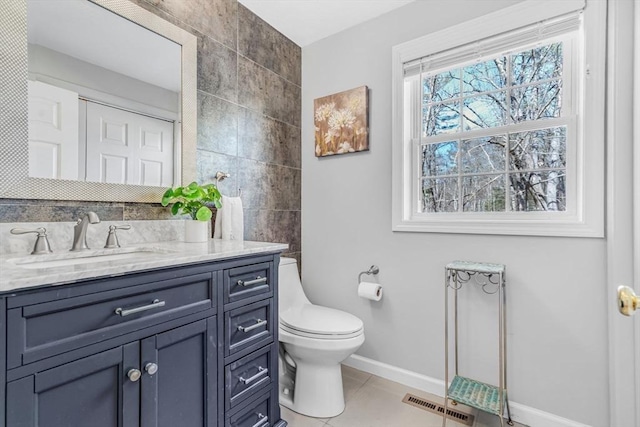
(489, 142)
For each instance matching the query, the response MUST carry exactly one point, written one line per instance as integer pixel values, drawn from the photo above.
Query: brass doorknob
(628, 301)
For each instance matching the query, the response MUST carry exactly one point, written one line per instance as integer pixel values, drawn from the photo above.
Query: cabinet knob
(151, 368)
(134, 375)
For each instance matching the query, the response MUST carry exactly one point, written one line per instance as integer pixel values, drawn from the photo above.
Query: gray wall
(89, 80)
(557, 340)
(249, 78)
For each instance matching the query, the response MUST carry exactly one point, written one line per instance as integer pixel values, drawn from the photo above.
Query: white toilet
(313, 342)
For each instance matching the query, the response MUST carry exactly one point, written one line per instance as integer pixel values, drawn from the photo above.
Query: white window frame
(584, 216)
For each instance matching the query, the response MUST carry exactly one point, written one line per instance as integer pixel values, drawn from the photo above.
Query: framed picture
(342, 122)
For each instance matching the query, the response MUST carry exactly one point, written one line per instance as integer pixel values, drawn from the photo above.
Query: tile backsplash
(249, 108)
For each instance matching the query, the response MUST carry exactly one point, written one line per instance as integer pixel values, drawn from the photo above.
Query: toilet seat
(319, 322)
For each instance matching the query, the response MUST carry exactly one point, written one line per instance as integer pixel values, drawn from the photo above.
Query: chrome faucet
(42, 243)
(80, 231)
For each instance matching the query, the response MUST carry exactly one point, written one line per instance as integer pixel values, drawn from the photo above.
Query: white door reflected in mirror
(127, 148)
(53, 132)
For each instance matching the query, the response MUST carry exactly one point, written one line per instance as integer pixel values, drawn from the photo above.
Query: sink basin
(88, 257)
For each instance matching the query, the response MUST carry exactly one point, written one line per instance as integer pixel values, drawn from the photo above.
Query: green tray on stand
(476, 394)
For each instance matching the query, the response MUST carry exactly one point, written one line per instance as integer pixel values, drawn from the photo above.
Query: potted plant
(193, 200)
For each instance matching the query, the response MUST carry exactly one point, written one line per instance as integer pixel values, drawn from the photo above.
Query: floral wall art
(342, 122)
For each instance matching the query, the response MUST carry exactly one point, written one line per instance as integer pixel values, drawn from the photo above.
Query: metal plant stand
(485, 397)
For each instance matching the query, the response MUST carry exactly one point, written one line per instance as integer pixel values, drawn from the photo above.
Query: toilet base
(311, 374)
(318, 391)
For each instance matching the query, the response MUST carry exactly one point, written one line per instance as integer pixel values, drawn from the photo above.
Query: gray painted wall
(557, 345)
(249, 78)
(58, 69)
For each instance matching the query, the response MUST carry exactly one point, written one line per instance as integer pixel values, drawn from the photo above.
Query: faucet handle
(112, 237)
(42, 243)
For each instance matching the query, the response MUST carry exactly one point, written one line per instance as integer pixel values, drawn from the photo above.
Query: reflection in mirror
(104, 97)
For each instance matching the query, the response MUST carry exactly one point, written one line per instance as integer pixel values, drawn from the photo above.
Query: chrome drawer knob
(261, 371)
(257, 280)
(263, 420)
(151, 368)
(156, 303)
(259, 323)
(134, 375)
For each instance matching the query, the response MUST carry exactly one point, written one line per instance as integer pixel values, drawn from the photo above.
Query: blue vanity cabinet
(179, 371)
(90, 391)
(144, 349)
(160, 381)
(250, 307)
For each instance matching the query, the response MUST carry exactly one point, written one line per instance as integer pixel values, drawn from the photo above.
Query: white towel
(229, 223)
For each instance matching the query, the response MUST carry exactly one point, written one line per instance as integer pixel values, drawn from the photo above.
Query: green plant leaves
(175, 209)
(167, 196)
(204, 214)
(192, 199)
(192, 191)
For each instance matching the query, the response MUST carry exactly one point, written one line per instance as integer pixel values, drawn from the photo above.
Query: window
(491, 134)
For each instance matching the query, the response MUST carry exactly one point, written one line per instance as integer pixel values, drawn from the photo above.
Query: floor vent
(436, 408)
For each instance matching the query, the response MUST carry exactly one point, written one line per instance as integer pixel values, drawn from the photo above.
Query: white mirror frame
(14, 151)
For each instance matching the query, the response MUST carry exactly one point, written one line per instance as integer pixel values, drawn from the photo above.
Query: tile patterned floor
(376, 402)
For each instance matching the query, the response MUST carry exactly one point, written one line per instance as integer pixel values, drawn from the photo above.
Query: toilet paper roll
(370, 290)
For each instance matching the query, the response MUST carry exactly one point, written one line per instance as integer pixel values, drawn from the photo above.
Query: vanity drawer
(247, 326)
(247, 281)
(256, 414)
(42, 330)
(244, 376)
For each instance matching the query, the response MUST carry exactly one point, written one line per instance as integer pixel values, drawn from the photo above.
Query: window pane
(485, 111)
(483, 154)
(536, 102)
(541, 63)
(538, 149)
(483, 193)
(441, 87)
(440, 195)
(485, 76)
(538, 191)
(440, 159)
(441, 118)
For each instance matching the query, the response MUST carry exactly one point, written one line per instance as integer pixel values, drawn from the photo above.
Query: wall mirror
(105, 102)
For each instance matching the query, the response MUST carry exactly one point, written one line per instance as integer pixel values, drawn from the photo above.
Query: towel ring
(220, 176)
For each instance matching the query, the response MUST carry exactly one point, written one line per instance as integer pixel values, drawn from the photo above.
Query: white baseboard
(520, 413)
(399, 375)
(536, 418)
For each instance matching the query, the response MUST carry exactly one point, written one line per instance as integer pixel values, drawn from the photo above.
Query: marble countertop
(21, 271)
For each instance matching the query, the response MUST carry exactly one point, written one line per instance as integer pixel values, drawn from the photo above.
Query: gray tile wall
(249, 102)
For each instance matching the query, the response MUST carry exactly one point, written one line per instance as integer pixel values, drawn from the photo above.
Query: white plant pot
(196, 231)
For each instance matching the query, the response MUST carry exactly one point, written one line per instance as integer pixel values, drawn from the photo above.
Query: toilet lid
(318, 320)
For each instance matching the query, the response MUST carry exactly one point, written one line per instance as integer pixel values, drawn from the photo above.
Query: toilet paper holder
(372, 270)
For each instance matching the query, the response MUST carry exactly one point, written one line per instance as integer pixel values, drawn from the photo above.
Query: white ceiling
(307, 21)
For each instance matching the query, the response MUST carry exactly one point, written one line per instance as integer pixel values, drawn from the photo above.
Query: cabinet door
(179, 379)
(92, 391)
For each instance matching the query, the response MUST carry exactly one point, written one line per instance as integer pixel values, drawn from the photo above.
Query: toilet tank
(290, 292)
